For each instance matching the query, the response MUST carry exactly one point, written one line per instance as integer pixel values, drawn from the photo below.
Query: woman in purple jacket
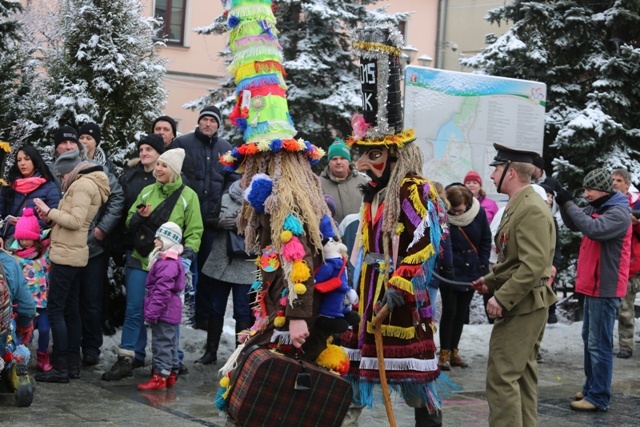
(163, 306)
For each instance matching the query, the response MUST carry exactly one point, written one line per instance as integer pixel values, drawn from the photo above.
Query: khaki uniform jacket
(73, 217)
(525, 243)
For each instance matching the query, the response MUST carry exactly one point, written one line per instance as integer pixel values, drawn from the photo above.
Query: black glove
(446, 271)
(227, 223)
(563, 196)
(392, 298)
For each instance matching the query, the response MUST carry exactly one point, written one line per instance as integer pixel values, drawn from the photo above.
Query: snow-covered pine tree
(588, 54)
(323, 80)
(9, 63)
(105, 69)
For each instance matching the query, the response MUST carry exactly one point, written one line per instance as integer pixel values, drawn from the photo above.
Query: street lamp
(408, 53)
(425, 60)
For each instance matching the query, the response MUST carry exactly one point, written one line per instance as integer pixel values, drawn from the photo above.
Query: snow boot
(456, 360)
(43, 364)
(122, 368)
(426, 419)
(172, 379)
(214, 332)
(444, 360)
(156, 382)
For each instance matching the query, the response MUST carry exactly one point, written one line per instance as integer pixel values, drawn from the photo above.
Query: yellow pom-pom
(334, 358)
(300, 272)
(224, 382)
(279, 321)
(285, 236)
(299, 288)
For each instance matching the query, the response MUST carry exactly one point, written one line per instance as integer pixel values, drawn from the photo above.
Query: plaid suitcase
(272, 389)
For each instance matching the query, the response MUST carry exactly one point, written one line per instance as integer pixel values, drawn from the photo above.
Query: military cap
(506, 154)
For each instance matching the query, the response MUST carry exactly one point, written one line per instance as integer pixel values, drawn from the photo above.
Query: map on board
(459, 116)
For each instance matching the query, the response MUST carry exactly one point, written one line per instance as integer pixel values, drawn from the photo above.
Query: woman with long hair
(29, 178)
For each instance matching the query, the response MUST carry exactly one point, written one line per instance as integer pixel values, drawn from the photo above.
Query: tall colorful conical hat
(380, 123)
(261, 111)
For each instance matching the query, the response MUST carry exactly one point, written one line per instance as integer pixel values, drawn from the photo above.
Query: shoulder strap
(162, 212)
(468, 240)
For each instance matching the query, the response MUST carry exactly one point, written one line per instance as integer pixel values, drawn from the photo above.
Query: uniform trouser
(512, 370)
(626, 316)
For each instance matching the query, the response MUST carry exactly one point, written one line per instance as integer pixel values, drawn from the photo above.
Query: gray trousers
(164, 344)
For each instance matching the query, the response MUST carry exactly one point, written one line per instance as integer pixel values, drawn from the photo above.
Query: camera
(636, 213)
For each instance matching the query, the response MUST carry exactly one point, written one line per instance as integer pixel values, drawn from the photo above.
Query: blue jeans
(134, 333)
(597, 336)
(44, 329)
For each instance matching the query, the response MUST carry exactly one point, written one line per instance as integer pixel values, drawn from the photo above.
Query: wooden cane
(376, 324)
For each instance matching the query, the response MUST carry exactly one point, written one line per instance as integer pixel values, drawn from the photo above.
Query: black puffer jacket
(203, 169)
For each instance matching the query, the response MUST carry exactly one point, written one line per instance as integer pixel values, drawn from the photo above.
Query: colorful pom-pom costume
(283, 206)
(402, 223)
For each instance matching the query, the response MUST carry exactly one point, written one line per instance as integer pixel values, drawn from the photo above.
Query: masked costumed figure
(402, 224)
(283, 201)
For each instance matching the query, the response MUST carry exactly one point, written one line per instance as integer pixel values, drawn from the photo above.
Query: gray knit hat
(66, 162)
(599, 179)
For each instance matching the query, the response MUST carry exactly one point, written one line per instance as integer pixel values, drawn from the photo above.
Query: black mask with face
(370, 189)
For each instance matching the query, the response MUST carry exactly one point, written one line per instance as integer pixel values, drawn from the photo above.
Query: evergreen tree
(9, 63)
(323, 80)
(106, 70)
(588, 54)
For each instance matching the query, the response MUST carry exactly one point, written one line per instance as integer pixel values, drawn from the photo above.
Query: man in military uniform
(521, 295)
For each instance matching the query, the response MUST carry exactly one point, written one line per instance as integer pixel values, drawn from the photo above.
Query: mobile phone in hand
(141, 206)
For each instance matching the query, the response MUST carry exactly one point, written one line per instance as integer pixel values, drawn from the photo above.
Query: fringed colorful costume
(283, 205)
(402, 224)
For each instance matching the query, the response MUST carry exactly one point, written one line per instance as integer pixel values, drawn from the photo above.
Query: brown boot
(456, 360)
(443, 361)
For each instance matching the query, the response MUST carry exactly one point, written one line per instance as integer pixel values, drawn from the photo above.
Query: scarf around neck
(27, 185)
(466, 218)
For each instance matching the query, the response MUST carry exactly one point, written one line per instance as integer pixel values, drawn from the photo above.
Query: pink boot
(43, 363)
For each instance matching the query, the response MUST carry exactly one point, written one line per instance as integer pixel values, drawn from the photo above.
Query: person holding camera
(165, 200)
(601, 276)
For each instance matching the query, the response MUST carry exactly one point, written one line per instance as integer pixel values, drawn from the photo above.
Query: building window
(172, 13)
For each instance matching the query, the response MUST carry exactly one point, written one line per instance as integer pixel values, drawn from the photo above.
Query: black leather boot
(425, 419)
(214, 331)
(59, 373)
(74, 366)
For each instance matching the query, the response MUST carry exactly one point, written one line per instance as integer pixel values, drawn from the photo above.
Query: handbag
(145, 234)
(235, 246)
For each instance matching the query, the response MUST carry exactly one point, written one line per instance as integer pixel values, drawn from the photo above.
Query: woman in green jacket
(185, 213)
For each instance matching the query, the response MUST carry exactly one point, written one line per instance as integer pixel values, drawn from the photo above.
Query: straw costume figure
(284, 204)
(402, 224)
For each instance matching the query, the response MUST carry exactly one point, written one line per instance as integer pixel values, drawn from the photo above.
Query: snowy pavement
(91, 401)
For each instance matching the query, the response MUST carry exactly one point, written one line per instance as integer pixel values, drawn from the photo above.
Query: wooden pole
(377, 333)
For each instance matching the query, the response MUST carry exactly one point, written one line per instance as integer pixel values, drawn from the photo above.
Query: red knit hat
(27, 226)
(473, 176)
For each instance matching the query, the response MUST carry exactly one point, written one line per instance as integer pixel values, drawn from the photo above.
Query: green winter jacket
(186, 214)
